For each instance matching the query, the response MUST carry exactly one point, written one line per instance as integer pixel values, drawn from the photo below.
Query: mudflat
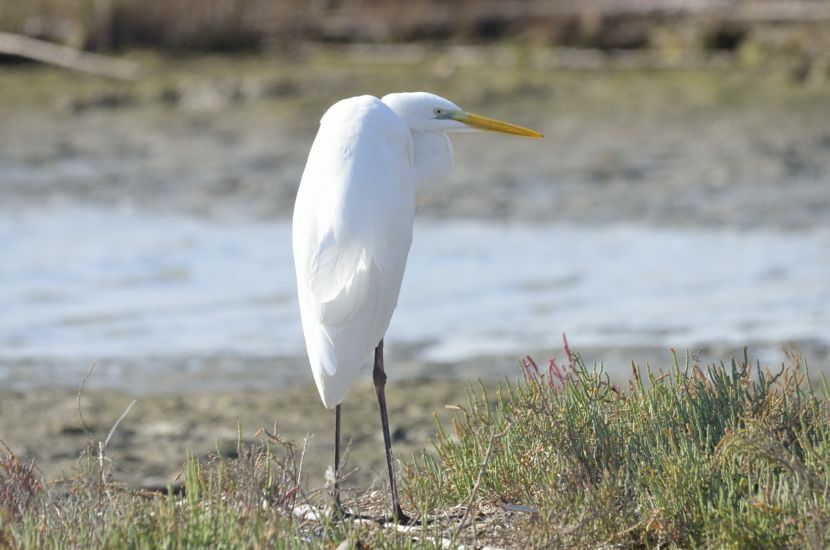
(226, 137)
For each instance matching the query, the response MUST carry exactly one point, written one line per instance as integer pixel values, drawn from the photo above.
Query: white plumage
(353, 219)
(352, 232)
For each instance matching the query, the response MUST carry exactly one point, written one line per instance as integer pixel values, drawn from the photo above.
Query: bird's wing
(336, 279)
(351, 210)
(352, 231)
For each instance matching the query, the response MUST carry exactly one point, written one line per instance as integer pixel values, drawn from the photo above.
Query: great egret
(352, 230)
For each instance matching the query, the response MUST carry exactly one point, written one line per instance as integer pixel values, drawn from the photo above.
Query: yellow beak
(493, 125)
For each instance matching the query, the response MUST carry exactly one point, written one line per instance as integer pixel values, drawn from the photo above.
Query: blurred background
(150, 152)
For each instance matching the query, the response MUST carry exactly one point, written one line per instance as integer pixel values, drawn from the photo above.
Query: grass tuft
(730, 456)
(20, 495)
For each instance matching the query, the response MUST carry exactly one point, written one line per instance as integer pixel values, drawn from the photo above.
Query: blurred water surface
(86, 283)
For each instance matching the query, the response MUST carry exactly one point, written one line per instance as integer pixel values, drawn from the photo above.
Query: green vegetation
(684, 458)
(729, 456)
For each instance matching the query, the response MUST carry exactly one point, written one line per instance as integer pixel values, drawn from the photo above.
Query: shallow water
(87, 283)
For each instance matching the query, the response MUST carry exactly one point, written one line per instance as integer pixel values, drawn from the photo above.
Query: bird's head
(426, 112)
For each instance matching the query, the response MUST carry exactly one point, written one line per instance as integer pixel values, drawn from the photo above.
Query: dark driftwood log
(64, 56)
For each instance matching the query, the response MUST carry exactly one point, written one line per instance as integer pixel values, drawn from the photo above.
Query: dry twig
(64, 56)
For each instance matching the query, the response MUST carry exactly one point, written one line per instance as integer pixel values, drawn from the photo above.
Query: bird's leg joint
(379, 377)
(379, 374)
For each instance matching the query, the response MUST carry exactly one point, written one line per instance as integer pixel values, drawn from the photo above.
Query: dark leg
(379, 377)
(337, 508)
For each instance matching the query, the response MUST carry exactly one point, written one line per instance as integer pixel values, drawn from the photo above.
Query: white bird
(352, 230)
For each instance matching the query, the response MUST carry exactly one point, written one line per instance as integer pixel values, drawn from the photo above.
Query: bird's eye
(438, 111)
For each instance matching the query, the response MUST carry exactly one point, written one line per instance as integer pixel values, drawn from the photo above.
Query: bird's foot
(338, 513)
(400, 518)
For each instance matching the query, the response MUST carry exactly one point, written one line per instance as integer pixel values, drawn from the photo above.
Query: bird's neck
(432, 152)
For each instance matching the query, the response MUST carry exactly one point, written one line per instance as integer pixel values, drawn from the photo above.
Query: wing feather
(352, 232)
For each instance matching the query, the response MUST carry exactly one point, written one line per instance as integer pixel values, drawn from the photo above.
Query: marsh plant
(728, 456)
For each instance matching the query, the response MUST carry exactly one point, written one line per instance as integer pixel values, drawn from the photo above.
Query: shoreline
(147, 449)
(199, 374)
